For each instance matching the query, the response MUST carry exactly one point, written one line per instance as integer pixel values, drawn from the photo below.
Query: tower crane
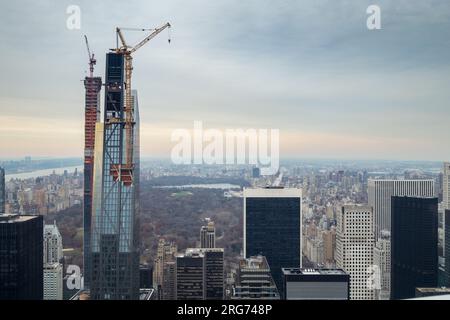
(125, 170)
(92, 60)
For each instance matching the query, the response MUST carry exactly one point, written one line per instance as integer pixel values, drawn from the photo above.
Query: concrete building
(53, 247)
(253, 280)
(354, 248)
(53, 281)
(208, 235)
(382, 259)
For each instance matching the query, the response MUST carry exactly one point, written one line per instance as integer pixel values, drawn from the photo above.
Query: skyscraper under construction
(115, 208)
(91, 117)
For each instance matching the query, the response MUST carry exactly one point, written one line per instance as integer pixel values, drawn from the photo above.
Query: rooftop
(298, 271)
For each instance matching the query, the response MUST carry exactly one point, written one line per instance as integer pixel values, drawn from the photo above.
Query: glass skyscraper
(414, 241)
(21, 257)
(272, 228)
(115, 224)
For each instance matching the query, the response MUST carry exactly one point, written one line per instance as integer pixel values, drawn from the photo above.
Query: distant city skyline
(308, 68)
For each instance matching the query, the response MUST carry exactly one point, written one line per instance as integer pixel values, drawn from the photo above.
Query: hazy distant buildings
(53, 281)
(272, 227)
(414, 245)
(315, 284)
(382, 259)
(208, 235)
(253, 280)
(21, 258)
(200, 275)
(354, 248)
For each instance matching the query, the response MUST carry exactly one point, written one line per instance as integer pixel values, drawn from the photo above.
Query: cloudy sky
(311, 69)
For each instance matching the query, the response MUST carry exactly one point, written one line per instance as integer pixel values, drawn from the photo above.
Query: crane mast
(92, 60)
(125, 171)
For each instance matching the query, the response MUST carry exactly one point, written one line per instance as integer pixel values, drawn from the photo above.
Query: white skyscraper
(382, 259)
(53, 281)
(381, 191)
(354, 249)
(53, 248)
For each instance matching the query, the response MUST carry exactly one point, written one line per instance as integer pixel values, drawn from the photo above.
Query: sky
(311, 69)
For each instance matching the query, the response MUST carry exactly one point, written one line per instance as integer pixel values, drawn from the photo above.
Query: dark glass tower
(272, 228)
(447, 248)
(21, 257)
(115, 226)
(414, 242)
(2, 191)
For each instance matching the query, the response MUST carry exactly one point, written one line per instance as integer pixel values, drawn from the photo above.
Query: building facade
(53, 247)
(253, 280)
(53, 281)
(272, 227)
(92, 87)
(354, 249)
(381, 191)
(195, 284)
(21, 258)
(208, 235)
(382, 259)
(315, 284)
(2, 191)
(414, 243)
(115, 225)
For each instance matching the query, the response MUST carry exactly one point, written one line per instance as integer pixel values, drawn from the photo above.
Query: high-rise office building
(53, 247)
(53, 281)
(167, 288)
(21, 258)
(2, 191)
(382, 259)
(145, 277)
(446, 186)
(329, 245)
(354, 248)
(208, 235)
(381, 191)
(189, 284)
(253, 280)
(200, 274)
(164, 270)
(447, 248)
(272, 227)
(92, 87)
(414, 257)
(214, 273)
(115, 225)
(315, 284)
